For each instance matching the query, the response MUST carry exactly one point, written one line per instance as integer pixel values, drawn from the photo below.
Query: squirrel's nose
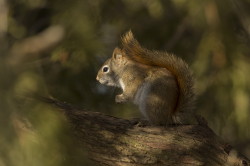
(97, 78)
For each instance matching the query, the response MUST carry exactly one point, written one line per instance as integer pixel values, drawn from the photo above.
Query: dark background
(55, 47)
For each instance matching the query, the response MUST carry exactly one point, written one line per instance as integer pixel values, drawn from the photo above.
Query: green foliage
(212, 36)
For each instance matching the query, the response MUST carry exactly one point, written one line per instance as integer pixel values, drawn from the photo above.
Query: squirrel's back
(174, 64)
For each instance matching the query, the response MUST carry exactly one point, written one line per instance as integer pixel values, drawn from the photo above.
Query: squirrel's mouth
(106, 82)
(103, 82)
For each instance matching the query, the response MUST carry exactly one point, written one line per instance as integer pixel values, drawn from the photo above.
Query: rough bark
(118, 142)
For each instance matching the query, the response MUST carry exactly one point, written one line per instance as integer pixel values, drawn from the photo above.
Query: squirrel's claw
(120, 98)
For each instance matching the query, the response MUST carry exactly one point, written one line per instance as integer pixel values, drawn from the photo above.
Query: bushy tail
(174, 64)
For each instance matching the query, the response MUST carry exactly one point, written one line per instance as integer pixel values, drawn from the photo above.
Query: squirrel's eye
(105, 69)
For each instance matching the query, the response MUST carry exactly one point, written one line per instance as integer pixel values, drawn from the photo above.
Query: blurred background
(55, 48)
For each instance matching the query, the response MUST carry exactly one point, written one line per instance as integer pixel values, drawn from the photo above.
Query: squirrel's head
(112, 69)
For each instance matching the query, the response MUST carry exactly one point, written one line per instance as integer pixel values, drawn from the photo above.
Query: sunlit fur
(174, 64)
(161, 84)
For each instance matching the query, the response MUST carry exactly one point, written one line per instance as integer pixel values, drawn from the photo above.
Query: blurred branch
(242, 14)
(182, 27)
(3, 18)
(23, 129)
(113, 141)
(35, 44)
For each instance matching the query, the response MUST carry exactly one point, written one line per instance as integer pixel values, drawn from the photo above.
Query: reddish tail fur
(174, 64)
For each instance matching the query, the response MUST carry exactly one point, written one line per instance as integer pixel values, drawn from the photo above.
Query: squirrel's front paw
(120, 98)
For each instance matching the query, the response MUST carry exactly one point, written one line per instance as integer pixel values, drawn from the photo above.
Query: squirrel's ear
(117, 54)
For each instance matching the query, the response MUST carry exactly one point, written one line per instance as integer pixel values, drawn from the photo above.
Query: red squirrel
(161, 84)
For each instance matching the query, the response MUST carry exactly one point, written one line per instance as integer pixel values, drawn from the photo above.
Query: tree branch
(117, 142)
(35, 44)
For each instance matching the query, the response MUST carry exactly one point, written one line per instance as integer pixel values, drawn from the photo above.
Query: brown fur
(161, 84)
(174, 64)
